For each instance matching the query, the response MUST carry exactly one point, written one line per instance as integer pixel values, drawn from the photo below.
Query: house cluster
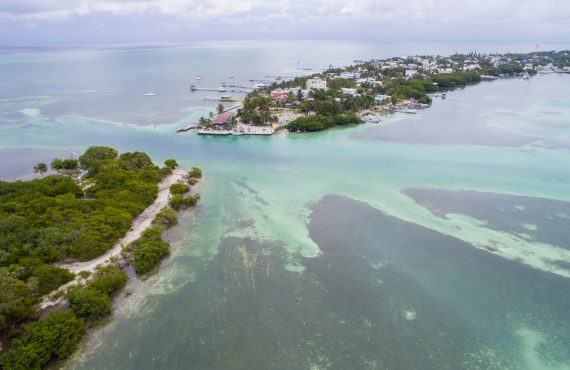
(281, 95)
(372, 73)
(425, 65)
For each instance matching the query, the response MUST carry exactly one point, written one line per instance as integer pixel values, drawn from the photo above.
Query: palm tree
(220, 108)
(264, 116)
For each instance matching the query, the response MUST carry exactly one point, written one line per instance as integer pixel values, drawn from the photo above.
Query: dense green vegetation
(53, 218)
(64, 164)
(165, 219)
(52, 337)
(455, 79)
(179, 188)
(16, 302)
(98, 158)
(255, 109)
(49, 219)
(149, 250)
(195, 173)
(171, 163)
(93, 301)
(40, 168)
(135, 161)
(321, 122)
(23, 284)
(178, 201)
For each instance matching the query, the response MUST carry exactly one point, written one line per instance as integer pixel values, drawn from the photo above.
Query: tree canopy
(40, 168)
(46, 220)
(54, 336)
(97, 156)
(171, 163)
(135, 161)
(149, 250)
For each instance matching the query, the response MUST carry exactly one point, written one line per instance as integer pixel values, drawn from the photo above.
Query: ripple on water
(441, 304)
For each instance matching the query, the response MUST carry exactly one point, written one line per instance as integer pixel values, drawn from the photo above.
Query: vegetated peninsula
(348, 95)
(66, 239)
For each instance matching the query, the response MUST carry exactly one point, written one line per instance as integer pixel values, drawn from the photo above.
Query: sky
(78, 22)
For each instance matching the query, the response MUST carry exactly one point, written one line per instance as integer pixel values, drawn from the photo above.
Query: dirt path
(140, 223)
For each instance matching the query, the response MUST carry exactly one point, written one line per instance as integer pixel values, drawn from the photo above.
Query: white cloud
(385, 10)
(315, 18)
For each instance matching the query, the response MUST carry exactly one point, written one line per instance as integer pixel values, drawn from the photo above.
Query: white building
(348, 91)
(370, 80)
(444, 70)
(381, 98)
(348, 75)
(472, 67)
(316, 84)
(410, 73)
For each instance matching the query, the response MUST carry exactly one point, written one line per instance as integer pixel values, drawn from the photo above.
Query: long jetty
(195, 88)
(220, 89)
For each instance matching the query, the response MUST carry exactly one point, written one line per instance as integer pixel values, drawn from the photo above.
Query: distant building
(410, 73)
(381, 98)
(371, 80)
(348, 91)
(444, 70)
(279, 96)
(316, 84)
(472, 67)
(222, 121)
(349, 75)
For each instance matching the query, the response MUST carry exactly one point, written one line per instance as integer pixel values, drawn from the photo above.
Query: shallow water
(367, 278)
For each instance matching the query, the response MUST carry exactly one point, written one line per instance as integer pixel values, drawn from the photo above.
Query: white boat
(199, 78)
(232, 76)
(409, 111)
(150, 94)
(221, 89)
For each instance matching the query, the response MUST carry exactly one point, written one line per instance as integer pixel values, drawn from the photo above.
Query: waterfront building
(381, 98)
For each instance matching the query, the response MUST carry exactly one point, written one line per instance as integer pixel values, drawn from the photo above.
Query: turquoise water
(307, 251)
